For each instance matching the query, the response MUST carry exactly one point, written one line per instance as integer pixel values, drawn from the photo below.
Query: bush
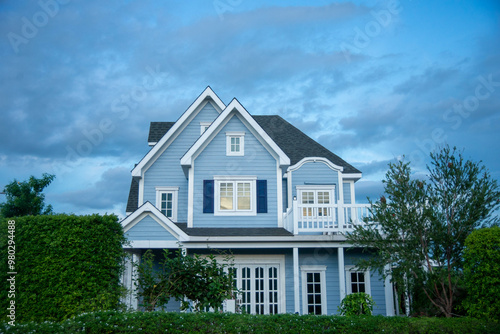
(164, 322)
(481, 271)
(358, 303)
(65, 265)
(202, 280)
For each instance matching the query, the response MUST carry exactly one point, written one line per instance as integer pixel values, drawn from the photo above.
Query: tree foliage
(202, 280)
(419, 227)
(25, 198)
(65, 265)
(482, 273)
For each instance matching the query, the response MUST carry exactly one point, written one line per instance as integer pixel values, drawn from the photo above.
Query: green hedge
(65, 265)
(482, 273)
(163, 322)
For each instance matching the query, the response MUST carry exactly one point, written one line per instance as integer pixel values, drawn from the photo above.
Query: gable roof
(133, 195)
(208, 94)
(296, 144)
(235, 108)
(157, 130)
(149, 208)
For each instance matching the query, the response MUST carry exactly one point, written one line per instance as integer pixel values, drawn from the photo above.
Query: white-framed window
(166, 201)
(204, 126)
(357, 280)
(313, 289)
(260, 281)
(235, 195)
(235, 143)
(316, 201)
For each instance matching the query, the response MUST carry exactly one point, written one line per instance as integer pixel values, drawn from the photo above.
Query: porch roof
(233, 232)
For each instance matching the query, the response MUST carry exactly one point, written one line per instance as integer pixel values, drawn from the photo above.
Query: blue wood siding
(376, 282)
(148, 229)
(167, 171)
(289, 282)
(314, 173)
(323, 256)
(257, 161)
(347, 193)
(285, 194)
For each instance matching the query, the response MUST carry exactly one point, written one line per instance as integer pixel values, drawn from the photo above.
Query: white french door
(260, 288)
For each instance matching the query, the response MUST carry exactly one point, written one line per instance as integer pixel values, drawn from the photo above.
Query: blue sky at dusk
(80, 81)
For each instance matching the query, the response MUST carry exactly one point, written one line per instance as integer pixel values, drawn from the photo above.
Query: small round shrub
(358, 303)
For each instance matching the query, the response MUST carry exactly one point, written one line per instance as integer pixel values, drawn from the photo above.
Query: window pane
(307, 197)
(226, 196)
(235, 144)
(323, 197)
(243, 196)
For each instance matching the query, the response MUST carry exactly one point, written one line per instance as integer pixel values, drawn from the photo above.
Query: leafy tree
(202, 280)
(481, 271)
(419, 229)
(25, 198)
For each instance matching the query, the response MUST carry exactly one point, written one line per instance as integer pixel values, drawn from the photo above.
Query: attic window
(204, 126)
(235, 143)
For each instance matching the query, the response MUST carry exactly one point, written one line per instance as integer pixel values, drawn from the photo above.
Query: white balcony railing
(332, 218)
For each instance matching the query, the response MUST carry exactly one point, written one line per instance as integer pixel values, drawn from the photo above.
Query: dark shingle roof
(157, 130)
(232, 232)
(296, 144)
(133, 195)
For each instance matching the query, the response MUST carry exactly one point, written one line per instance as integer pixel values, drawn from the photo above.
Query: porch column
(129, 278)
(389, 294)
(340, 203)
(340, 253)
(296, 283)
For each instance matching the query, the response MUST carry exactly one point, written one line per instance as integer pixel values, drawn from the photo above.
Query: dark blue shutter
(208, 196)
(261, 196)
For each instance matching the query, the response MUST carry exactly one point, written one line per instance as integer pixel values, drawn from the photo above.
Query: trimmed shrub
(481, 271)
(64, 264)
(165, 322)
(358, 303)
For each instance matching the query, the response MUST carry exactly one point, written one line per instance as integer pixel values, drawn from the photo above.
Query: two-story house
(220, 178)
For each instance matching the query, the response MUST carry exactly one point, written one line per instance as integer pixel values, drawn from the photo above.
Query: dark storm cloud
(109, 191)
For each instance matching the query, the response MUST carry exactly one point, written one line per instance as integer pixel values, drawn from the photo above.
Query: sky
(372, 81)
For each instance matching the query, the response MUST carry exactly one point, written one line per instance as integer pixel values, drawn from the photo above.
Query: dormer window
(235, 143)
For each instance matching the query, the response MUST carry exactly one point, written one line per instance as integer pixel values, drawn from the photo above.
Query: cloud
(110, 191)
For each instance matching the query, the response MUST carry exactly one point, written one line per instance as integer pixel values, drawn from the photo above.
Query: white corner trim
(208, 93)
(190, 197)
(279, 195)
(235, 106)
(327, 162)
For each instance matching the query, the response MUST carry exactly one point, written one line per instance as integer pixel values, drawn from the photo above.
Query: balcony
(327, 219)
